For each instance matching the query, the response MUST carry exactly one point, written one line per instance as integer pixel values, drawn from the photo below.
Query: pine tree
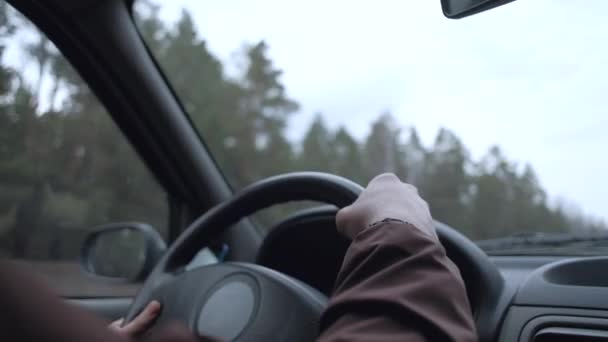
(315, 154)
(347, 159)
(446, 183)
(382, 151)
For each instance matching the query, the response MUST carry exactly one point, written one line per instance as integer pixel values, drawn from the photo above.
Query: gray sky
(530, 76)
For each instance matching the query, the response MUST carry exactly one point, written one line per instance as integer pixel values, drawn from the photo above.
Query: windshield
(498, 119)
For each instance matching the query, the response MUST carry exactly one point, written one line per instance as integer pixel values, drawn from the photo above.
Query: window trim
(100, 40)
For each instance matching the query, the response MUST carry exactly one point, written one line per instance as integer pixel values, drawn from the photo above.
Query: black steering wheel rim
(481, 274)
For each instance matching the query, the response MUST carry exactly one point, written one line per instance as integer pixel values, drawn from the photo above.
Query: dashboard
(555, 298)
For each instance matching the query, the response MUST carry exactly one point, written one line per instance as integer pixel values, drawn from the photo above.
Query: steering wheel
(245, 302)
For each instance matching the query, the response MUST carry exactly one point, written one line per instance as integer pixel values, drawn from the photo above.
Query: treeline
(243, 120)
(64, 167)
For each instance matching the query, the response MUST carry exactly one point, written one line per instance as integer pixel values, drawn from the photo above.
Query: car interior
(212, 247)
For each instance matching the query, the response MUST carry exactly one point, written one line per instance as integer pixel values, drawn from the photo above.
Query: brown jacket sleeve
(397, 284)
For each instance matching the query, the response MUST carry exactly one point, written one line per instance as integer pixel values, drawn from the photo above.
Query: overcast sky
(530, 76)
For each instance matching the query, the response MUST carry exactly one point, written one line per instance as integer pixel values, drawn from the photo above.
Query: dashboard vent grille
(557, 334)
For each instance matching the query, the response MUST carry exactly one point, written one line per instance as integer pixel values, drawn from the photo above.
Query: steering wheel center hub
(228, 308)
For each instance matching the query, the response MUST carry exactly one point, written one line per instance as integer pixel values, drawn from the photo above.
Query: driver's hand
(140, 324)
(386, 197)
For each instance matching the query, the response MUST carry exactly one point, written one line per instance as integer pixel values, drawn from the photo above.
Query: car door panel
(108, 308)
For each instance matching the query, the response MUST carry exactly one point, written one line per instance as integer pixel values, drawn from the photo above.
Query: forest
(65, 167)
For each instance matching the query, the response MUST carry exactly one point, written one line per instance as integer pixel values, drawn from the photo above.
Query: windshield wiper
(544, 242)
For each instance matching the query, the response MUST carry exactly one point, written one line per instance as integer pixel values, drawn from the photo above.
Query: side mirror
(456, 9)
(122, 251)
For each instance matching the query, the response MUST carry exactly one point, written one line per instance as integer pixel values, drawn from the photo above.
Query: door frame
(100, 39)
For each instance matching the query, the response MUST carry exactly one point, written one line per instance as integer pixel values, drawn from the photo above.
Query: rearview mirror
(456, 9)
(122, 251)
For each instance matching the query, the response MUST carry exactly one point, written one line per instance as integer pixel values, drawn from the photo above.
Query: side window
(65, 168)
